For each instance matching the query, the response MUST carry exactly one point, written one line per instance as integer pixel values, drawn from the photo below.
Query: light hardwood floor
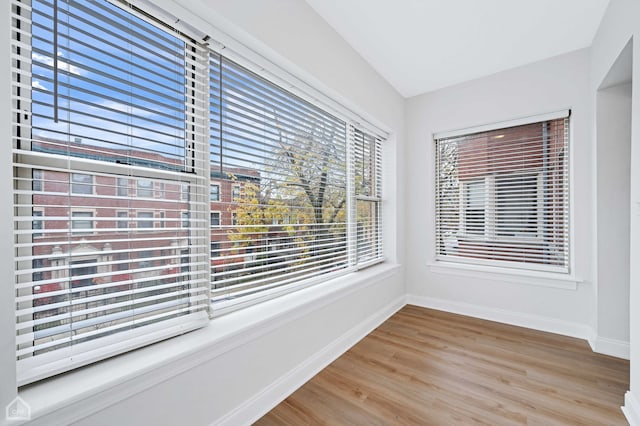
(429, 367)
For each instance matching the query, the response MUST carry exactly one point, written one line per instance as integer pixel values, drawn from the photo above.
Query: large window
(104, 92)
(281, 157)
(502, 196)
(243, 189)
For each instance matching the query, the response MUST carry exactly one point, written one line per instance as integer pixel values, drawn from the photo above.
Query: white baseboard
(612, 347)
(269, 397)
(536, 322)
(602, 345)
(631, 409)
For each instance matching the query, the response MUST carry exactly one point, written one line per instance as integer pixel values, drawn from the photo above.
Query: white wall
(613, 182)
(216, 388)
(547, 86)
(291, 34)
(619, 25)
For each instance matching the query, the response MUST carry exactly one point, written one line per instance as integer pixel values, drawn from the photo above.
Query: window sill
(544, 279)
(72, 396)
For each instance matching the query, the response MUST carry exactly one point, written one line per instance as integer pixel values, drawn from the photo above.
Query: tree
(301, 199)
(254, 215)
(448, 188)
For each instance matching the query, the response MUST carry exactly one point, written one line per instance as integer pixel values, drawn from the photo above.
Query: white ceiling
(423, 45)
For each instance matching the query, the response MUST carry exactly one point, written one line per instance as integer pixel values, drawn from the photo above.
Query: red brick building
(511, 191)
(106, 231)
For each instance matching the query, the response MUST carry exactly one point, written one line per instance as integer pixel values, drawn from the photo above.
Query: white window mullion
(490, 207)
(541, 210)
(202, 214)
(352, 237)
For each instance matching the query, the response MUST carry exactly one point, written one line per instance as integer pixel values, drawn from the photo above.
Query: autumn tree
(301, 191)
(448, 188)
(313, 168)
(254, 215)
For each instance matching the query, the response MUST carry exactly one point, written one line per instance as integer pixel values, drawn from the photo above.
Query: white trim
(503, 124)
(219, 225)
(145, 219)
(259, 404)
(139, 189)
(218, 184)
(611, 347)
(536, 322)
(73, 173)
(631, 409)
(71, 397)
(236, 198)
(83, 231)
(572, 216)
(517, 276)
(491, 219)
(159, 189)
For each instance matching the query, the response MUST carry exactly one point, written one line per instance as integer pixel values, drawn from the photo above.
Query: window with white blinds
(158, 182)
(283, 164)
(367, 175)
(106, 106)
(502, 196)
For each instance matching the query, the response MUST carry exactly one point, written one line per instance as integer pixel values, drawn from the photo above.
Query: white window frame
(122, 219)
(539, 207)
(185, 223)
(215, 183)
(40, 210)
(236, 193)
(82, 231)
(150, 190)
(464, 190)
(126, 189)
(149, 219)
(159, 189)
(562, 277)
(491, 233)
(72, 183)
(184, 191)
(219, 213)
(160, 219)
(39, 179)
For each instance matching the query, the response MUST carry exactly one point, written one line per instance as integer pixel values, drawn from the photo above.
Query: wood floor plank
(429, 367)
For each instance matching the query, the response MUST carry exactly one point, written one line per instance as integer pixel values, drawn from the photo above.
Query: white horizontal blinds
(503, 196)
(107, 248)
(281, 166)
(111, 89)
(367, 175)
